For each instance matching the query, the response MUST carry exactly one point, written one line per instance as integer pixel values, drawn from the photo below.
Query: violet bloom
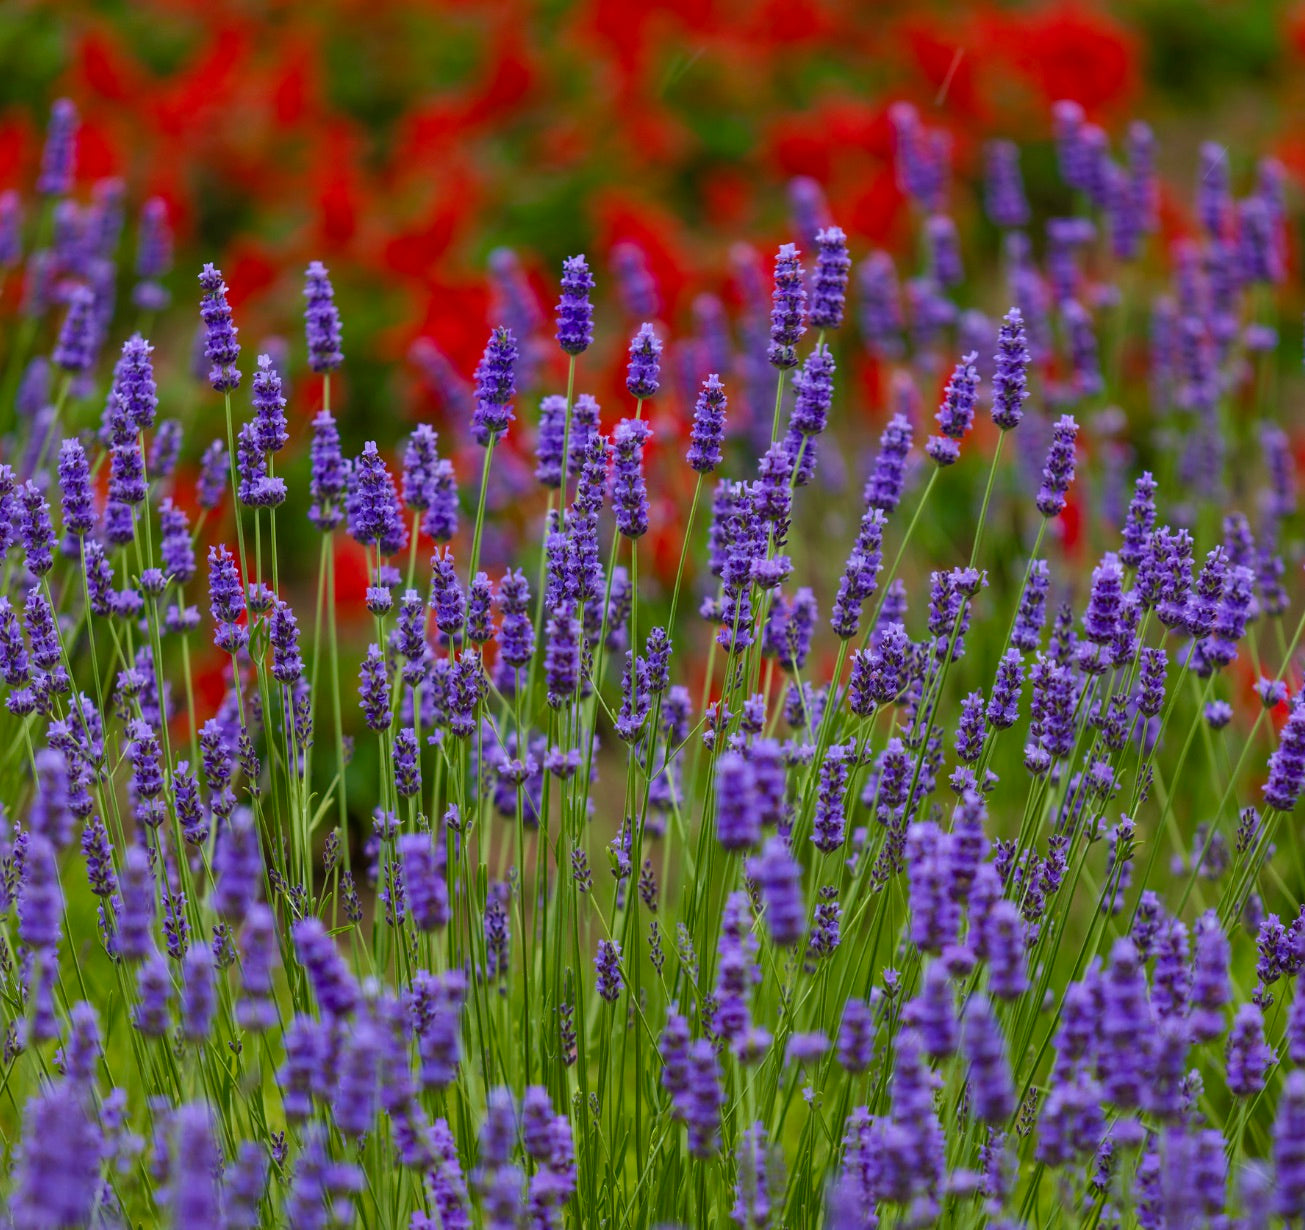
(1289, 1149)
(779, 880)
(517, 639)
(374, 689)
(788, 310)
(329, 975)
(607, 966)
(708, 430)
(1213, 198)
(634, 282)
(57, 1168)
(287, 664)
(883, 489)
(198, 993)
(629, 490)
(1287, 763)
(495, 387)
(829, 281)
(153, 256)
(237, 866)
(11, 229)
(1010, 375)
(880, 314)
(1083, 349)
(550, 440)
(269, 408)
(321, 321)
(992, 1091)
(944, 250)
(214, 471)
(643, 376)
(575, 313)
(956, 412)
(60, 151)
(372, 504)
(702, 1099)
(815, 394)
(738, 818)
(423, 880)
(226, 599)
(76, 500)
(860, 575)
(1211, 988)
(1249, 1056)
(74, 351)
(220, 346)
(329, 474)
(1058, 473)
(808, 209)
(1004, 198)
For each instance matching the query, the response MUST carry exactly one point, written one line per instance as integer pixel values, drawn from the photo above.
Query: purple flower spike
(643, 377)
(220, 346)
(815, 393)
(629, 490)
(789, 309)
(60, 152)
(607, 966)
(11, 229)
(1010, 376)
(495, 386)
(423, 880)
(1005, 201)
(829, 283)
(779, 879)
(708, 426)
(269, 408)
(575, 313)
(74, 351)
(1058, 474)
(956, 412)
(1289, 1149)
(372, 504)
(883, 490)
(77, 501)
(1287, 764)
(321, 321)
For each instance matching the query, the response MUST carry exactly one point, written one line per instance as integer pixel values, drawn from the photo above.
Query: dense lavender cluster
(675, 826)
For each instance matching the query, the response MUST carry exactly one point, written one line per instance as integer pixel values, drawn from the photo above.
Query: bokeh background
(402, 140)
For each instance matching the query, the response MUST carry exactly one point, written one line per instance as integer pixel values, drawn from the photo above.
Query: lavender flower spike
(59, 154)
(495, 386)
(321, 321)
(1010, 378)
(829, 284)
(789, 309)
(575, 313)
(956, 412)
(1058, 474)
(708, 426)
(220, 346)
(643, 377)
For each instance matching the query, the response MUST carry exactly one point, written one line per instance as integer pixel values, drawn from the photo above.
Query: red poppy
(1071, 52)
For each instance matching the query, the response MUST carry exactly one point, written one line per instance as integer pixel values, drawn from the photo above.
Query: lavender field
(846, 778)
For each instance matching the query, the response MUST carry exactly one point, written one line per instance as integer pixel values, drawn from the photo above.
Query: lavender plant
(617, 894)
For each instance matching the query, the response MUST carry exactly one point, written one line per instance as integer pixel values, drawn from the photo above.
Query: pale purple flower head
(321, 320)
(575, 313)
(220, 346)
(60, 152)
(495, 386)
